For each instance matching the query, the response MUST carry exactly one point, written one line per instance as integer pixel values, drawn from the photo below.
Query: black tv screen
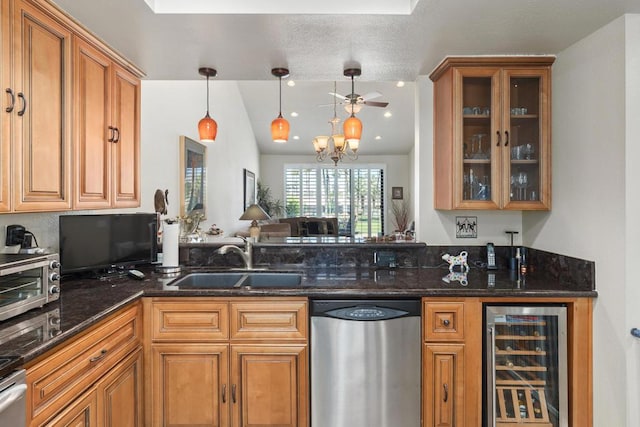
(102, 243)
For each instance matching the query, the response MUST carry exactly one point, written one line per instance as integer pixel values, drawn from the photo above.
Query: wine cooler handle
(491, 375)
(445, 396)
(635, 332)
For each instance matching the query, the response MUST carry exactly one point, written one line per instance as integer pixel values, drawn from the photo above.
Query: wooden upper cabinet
(492, 133)
(41, 64)
(5, 116)
(106, 131)
(126, 123)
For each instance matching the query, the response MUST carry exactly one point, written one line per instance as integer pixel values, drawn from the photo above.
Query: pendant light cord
(280, 106)
(207, 95)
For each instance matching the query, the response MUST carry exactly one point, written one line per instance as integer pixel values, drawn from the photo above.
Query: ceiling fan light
(353, 108)
(352, 128)
(280, 129)
(207, 129)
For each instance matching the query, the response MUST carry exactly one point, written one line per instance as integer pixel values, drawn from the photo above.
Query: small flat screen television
(96, 245)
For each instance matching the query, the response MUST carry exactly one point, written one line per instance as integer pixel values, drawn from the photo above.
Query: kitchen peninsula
(87, 306)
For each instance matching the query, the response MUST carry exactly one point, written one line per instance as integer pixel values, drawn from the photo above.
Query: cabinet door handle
(499, 138)
(233, 393)
(117, 135)
(445, 396)
(24, 104)
(224, 393)
(111, 134)
(13, 100)
(506, 132)
(103, 353)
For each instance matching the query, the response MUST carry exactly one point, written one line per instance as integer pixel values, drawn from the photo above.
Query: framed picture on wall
(249, 189)
(396, 193)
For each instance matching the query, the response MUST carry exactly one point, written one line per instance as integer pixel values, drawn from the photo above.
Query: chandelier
(335, 147)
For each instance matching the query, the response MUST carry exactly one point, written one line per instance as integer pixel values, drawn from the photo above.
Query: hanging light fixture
(207, 127)
(280, 126)
(334, 146)
(352, 126)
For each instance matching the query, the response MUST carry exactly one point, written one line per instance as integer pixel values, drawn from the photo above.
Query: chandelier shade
(352, 129)
(280, 126)
(207, 127)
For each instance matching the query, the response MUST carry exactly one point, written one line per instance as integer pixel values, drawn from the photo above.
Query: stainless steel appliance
(27, 281)
(365, 363)
(526, 366)
(13, 402)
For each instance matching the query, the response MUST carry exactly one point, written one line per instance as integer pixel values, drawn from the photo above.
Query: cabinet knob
(446, 322)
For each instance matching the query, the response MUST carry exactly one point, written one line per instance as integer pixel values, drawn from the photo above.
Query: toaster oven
(27, 281)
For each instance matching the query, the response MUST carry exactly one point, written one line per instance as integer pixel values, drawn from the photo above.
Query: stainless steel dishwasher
(365, 363)
(13, 400)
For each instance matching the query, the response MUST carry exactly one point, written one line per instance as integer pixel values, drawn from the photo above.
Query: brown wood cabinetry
(492, 133)
(44, 109)
(37, 122)
(106, 130)
(451, 362)
(105, 362)
(227, 361)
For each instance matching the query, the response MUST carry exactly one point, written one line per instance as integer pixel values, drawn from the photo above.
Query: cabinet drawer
(273, 319)
(189, 319)
(66, 373)
(444, 321)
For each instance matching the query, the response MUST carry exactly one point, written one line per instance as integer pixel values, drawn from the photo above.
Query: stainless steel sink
(272, 280)
(228, 280)
(208, 280)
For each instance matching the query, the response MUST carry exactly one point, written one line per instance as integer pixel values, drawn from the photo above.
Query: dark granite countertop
(83, 302)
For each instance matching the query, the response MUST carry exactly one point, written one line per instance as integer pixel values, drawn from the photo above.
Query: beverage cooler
(526, 366)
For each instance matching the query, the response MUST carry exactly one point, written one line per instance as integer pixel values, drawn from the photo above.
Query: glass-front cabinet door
(479, 174)
(527, 157)
(492, 133)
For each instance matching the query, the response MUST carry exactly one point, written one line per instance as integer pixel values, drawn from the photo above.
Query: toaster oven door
(23, 288)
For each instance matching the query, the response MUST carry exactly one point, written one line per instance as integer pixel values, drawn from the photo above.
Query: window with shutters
(354, 195)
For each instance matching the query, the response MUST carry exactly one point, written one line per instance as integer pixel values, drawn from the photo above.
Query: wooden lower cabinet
(267, 385)
(83, 412)
(189, 385)
(443, 367)
(201, 374)
(95, 380)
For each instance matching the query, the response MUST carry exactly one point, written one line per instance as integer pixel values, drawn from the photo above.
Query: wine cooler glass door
(526, 366)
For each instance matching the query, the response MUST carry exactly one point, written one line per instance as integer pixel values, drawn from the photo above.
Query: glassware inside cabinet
(525, 141)
(476, 138)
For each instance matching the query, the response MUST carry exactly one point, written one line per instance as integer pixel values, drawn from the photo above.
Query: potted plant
(273, 207)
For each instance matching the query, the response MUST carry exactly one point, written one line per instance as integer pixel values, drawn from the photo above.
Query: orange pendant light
(280, 126)
(207, 127)
(352, 127)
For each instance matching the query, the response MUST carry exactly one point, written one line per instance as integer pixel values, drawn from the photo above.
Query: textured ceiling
(317, 47)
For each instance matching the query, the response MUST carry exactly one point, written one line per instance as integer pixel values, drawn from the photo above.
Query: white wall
(588, 216)
(170, 109)
(173, 108)
(632, 196)
(438, 227)
(398, 174)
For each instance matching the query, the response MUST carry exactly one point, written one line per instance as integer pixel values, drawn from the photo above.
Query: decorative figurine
(460, 260)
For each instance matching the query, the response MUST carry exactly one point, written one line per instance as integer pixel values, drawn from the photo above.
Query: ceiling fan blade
(337, 95)
(376, 104)
(371, 95)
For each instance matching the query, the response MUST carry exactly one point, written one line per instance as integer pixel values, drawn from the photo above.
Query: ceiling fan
(354, 101)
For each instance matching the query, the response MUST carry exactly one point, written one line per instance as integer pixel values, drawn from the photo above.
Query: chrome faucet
(246, 254)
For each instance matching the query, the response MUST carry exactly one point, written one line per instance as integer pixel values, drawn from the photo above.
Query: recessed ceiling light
(388, 114)
(400, 84)
(291, 83)
(294, 114)
(296, 137)
(378, 138)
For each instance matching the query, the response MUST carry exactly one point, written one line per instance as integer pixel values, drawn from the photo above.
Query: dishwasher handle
(366, 313)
